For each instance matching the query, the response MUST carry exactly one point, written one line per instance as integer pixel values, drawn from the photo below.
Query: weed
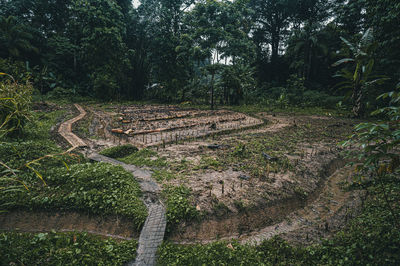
(145, 157)
(179, 207)
(64, 249)
(95, 188)
(119, 151)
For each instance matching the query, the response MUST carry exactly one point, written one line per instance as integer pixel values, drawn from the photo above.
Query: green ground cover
(64, 249)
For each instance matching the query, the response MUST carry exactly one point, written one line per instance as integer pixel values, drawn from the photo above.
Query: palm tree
(14, 39)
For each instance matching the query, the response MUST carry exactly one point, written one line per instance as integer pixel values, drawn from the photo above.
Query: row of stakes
(177, 136)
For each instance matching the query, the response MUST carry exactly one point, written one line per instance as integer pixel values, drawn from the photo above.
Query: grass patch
(144, 157)
(96, 188)
(64, 249)
(179, 206)
(162, 174)
(119, 151)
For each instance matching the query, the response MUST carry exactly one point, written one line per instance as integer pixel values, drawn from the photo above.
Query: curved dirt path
(152, 233)
(65, 129)
(327, 214)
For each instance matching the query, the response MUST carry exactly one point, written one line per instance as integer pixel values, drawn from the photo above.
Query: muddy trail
(300, 220)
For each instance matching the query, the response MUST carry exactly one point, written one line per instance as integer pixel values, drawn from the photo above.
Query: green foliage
(14, 38)
(359, 80)
(95, 188)
(161, 175)
(378, 142)
(179, 206)
(60, 93)
(16, 69)
(15, 103)
(64, 249)
(119, 151)
(212, 254)
(145, 157)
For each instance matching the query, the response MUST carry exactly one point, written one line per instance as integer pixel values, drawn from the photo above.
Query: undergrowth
(119, 151)
(179, 206)
(95, 188)
(131, 155)
(64, 249)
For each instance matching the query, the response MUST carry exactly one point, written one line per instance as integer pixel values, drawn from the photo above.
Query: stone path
(153, 230)
(151, 236)
(152, 233)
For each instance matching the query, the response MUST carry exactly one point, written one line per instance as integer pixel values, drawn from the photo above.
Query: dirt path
(65, 129)
(152, 233)
(327, 214)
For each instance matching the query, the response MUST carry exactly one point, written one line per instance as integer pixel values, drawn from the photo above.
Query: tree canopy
(214, 51)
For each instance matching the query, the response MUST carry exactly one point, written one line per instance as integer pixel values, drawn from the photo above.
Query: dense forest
(226, 52)
(199, 132)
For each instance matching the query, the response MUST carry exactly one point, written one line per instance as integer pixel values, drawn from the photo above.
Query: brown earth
(39, 221)
(248, 208)
(302, 204)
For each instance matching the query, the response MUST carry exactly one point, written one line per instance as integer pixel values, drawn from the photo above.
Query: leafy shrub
(318, 98)
(64, 249)
(15, 102)
(119, 151)
(179, 207)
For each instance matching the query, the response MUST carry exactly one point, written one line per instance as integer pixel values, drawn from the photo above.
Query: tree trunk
(358, 107)
(212, 91)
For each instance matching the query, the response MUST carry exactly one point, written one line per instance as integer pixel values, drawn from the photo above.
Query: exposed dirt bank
(24, 221)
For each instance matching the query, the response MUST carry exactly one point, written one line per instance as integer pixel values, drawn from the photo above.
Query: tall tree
(384, 17)
(272, 19)
(101, 44)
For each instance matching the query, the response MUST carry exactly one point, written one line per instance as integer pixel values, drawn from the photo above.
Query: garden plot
(257, 177)
(240, 182)
(145, 126)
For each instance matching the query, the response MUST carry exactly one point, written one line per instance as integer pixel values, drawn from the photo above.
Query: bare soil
(148, 126)
(24, 221)
(223, 157)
